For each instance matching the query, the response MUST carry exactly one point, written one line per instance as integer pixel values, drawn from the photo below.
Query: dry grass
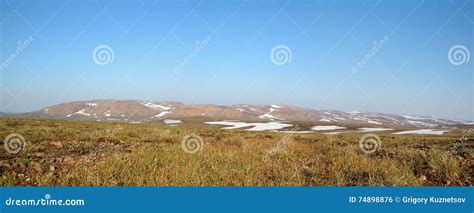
(93, 153)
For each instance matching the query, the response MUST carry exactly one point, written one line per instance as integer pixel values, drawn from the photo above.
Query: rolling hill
(150, 111)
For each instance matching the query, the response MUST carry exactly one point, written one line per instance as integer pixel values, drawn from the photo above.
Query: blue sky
(410, 74)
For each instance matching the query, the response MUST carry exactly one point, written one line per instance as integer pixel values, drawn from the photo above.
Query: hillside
(149, 111)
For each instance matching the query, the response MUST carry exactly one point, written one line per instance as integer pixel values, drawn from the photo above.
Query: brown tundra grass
(85, 153)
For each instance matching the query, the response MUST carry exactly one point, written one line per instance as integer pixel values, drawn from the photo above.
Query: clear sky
(219, 52)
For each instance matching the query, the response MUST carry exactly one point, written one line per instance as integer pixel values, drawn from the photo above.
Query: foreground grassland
(121, 154)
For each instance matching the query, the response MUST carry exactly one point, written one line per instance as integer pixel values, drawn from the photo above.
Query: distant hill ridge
(149, 111)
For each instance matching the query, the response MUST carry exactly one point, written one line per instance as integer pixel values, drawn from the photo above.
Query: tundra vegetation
(86, 153)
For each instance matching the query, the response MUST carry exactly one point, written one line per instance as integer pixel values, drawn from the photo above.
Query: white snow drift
(422, 132)
(254, 126)
(325, 128)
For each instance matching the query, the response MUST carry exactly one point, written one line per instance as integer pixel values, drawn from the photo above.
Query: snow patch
(374, 122)
(254, 126)
(296, 132)
(325, 128)
(422, 132)
(368, 129)
(419, 123)
(161, 114)
(155, 106)
(353, 112)
(231, 124)
(333, 133)
(268, 126)
(81, 112)
(91, 104)
(276, 106)
(268, 116)
(413, 117)
(171, 121)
